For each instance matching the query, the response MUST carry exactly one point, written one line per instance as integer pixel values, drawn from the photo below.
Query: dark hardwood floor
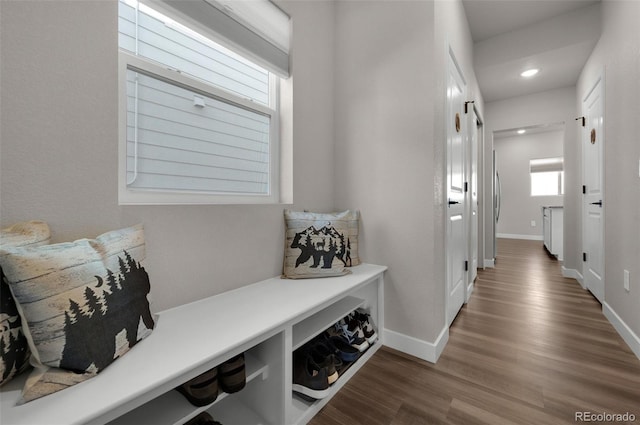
(531, 347)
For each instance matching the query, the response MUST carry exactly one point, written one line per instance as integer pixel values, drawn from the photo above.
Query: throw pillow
(14, 349)
(84, 302)
(320, 245)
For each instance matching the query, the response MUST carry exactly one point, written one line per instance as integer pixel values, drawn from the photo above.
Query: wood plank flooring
(531, 347)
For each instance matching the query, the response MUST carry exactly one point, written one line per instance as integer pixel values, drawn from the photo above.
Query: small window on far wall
(547, 176)
(199, 119)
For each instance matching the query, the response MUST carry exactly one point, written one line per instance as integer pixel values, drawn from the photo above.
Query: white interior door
(456, 228)
(474, 129)
(593, 197)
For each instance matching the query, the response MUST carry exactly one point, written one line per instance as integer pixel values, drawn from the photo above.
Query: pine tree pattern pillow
(320, 245)
(14, 348)
(85, 304)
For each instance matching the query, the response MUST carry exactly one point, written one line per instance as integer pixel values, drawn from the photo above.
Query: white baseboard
(490, 263)
(526, 237)
(573, 274)
(627, 334)
(470, 288)
(429, 351)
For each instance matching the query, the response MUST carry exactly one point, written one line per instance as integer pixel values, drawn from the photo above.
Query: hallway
(531, 347)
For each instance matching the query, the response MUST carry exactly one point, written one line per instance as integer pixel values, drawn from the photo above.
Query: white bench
(267, 320)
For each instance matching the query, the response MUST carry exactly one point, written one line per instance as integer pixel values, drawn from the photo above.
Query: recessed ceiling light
(522, 131)
(529, 72)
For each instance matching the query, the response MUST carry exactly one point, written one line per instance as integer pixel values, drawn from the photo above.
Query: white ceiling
(556, 36)
(533, 129)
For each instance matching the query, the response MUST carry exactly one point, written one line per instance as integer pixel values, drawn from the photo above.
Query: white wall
(552, 106)
(518, 207)
(390, 146)
(59, 138)
(384, 160)
(618, 54)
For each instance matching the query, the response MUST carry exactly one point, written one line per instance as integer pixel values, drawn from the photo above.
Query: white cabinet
(552, 229)
(266, 321)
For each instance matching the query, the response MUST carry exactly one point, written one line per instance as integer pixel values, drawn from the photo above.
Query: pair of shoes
(309, 378)
(324, 355)
(349, 328)
(318, 364)
(202, 390)
(341, 348)
(232, 374)
(203, 419)
(366, 324)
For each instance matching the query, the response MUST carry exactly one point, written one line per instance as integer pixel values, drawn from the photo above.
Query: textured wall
(390, 145)
(384, 159)
(59, 148)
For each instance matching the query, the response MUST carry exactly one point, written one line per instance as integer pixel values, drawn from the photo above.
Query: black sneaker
(326, 357)
(343, 349)
(309, 378)
(350, 329)
(366, 324)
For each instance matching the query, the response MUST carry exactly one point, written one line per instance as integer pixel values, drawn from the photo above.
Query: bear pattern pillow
(14, 348)
(320, 244)
(84, 302)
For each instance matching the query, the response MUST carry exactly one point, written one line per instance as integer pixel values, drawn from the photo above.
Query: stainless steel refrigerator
(497, 189)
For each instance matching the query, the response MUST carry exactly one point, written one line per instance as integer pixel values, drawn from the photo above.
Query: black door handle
(597, 203)
(453, 202)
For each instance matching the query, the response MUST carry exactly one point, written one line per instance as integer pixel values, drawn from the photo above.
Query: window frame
(127, 196)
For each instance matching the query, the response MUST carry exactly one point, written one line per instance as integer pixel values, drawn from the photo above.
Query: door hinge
(584, 121)
(466, 187)
(584, 189)
(584, 256)
(466, 266)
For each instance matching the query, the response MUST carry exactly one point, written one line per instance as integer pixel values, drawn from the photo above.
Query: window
(199, 122)
(547, 176)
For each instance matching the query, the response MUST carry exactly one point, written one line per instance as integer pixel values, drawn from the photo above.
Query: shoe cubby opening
(257, 403)
(312, 326)
(302, 410)
(322, 328)
(234, 411)
(172, 407)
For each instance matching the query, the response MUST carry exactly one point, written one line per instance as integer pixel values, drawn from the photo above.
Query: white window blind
(199, 121)
(179, 140)
(149, 34)
(546, 165)
(547, 176)
(256, 28)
